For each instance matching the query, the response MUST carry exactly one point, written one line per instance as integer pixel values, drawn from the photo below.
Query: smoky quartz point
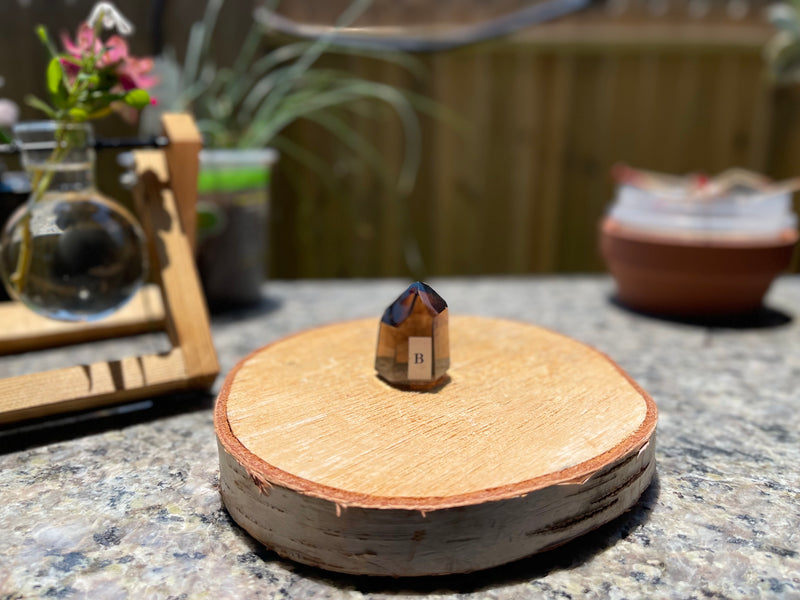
(413, 339)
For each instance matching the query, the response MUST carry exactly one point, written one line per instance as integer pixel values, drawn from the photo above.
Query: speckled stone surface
(124, 502)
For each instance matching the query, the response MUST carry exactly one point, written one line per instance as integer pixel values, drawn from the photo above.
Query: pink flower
(114, 55)
(134, 73)
(70, 68)
(85, 42)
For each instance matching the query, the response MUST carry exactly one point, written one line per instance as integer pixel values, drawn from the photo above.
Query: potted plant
(242, 111)
(782, 51)
(71, 253)
(696, 246)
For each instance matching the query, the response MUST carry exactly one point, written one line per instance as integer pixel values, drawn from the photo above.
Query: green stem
(39, 185)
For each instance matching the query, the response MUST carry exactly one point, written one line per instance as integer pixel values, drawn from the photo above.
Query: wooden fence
(520, 183)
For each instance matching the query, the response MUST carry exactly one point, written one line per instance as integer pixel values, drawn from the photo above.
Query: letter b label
(420, 353)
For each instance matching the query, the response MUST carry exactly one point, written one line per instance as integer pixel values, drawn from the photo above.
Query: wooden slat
(446, 141)
(189, 324)
(556, 143)
(648, 37)
(191, 364)
(761, 126)
(392, 217)
(725, 117)
(89, 386)
(24, 330)
(182, 155)
(473, 196)
(524, 168)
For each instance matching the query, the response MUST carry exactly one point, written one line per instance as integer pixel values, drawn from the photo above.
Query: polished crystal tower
(413, 340)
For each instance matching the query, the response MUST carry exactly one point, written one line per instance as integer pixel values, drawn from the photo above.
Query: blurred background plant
(674, 87)
(782, 51)
(248, 105)
(251, 102)
(272, 84)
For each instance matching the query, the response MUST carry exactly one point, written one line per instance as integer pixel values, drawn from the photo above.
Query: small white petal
(110, 18)
(9, 112)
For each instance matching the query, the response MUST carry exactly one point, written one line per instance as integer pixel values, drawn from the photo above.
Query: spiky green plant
(782, 51)
(250, 103)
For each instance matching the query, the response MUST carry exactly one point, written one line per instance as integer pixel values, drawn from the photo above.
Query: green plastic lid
(233, 170)
(232, 179)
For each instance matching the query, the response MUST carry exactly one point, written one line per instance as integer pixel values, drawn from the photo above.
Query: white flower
(9, 112)
(110, 18)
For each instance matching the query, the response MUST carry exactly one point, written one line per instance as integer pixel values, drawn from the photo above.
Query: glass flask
(69, 253)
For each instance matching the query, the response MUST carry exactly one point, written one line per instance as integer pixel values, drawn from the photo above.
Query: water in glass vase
(85, 257)
(70, 253)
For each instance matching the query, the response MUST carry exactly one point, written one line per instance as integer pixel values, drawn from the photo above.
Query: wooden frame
(165, 196)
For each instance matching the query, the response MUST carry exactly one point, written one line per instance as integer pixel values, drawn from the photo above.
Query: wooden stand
(533, 440)
(165, 196)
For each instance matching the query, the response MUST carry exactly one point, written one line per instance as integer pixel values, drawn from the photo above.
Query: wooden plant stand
(533, 441)
(165, 196)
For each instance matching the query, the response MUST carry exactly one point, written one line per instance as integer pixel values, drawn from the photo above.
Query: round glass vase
(69, 253)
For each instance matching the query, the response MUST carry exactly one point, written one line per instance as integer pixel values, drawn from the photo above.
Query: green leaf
(34, 102)
(91, 79)
(55, 75)
(41, 33)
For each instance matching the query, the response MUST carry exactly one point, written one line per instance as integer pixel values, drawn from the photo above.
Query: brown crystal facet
(413, 340)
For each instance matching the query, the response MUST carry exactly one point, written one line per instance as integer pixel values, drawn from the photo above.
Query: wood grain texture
(183, 159)
(189, 323)
(90, 386)
(23, 330)
(520, 182)
(534, 439)
(178, 305)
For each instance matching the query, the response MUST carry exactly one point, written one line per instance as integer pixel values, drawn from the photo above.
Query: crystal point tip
(413, 338)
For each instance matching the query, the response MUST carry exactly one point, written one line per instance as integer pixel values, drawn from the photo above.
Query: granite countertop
(124, 502)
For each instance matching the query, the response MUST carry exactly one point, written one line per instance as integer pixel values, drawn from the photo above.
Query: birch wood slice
(534, 440)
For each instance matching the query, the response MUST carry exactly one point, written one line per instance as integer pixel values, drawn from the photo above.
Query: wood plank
(763, 128)
(560, 106)
(182, 155)
(524, 168)
(392, 231)
(189, 324)
(181, 308)
(88, 386)
(447, 145)
(604, 153)
(23, 330)
(615, 37)
(726, 115)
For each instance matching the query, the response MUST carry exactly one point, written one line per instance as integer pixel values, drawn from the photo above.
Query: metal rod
(106, 143)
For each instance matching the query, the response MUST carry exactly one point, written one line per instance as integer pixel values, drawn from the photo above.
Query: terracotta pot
(690, 276)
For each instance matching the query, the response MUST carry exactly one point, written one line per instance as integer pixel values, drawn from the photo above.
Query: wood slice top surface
(524, 408)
